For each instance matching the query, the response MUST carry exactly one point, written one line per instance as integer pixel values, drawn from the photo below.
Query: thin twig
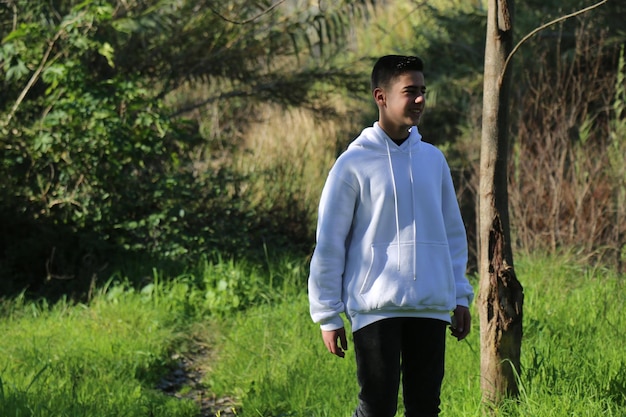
(32, 80)
(37, 73)
(243, 22)
(204, 102)
(14, 7)
(539, 29)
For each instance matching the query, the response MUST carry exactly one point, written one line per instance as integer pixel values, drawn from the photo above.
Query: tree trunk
(500, 298)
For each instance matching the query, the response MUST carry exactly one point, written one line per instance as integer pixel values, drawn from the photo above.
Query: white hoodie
(390, 237)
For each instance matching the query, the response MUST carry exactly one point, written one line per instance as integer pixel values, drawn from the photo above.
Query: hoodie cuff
(463, 301)
(332, 323)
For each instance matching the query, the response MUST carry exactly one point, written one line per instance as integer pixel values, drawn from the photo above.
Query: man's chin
(415, 121)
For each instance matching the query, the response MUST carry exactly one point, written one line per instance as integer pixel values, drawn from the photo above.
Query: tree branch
(539, 29)
(39, 70)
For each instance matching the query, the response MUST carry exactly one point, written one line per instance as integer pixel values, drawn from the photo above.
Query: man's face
(402, 102)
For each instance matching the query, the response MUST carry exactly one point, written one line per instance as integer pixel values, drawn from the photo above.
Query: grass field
(78, 360)
(574, 361)
(105, 358)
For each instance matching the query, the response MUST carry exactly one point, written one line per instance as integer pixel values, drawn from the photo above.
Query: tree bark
(500, 298)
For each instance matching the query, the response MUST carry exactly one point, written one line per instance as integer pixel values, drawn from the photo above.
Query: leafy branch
(42, 65)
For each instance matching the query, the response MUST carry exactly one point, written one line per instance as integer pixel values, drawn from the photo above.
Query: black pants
(411, 347)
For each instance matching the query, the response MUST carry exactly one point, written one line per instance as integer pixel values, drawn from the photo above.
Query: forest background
(162, 161)
(168, 131)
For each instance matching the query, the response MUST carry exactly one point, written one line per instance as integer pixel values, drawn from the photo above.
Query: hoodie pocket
(395, 281)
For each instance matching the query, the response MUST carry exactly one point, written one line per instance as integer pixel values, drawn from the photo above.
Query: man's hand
(330, 341)
(461, 322)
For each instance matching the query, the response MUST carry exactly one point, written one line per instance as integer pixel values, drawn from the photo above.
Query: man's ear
(379, 96)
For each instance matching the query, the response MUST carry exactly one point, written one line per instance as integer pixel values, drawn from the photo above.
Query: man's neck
(399, 141)
(398, 135)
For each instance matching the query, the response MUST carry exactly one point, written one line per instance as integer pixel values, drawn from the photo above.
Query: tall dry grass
(562, 182)
(288, 153)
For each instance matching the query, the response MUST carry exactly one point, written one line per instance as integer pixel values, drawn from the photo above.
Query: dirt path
(185, 381)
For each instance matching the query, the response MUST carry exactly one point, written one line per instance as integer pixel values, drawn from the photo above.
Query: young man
(391, 252)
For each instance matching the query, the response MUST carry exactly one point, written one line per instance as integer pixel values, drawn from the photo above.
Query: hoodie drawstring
(395, 198)
(413, 210)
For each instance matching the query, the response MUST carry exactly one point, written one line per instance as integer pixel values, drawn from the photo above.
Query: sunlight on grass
(105, 358)
(275, 358)
(573, 359)
(77, 360)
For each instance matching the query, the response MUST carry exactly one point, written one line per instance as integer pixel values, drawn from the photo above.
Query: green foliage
(98, 167)
(103, 158)
(121, 121)
(87, 151)
(223, 287)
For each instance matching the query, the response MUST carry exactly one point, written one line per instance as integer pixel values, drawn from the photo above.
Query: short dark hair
(390, 66)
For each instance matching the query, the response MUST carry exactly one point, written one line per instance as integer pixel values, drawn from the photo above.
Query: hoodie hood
(375, 139)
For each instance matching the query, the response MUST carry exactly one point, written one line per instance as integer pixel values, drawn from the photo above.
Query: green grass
(105, 358)
(573, 356)
(273, 359)
(96, 360)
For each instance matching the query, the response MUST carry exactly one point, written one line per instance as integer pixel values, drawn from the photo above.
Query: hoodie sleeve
(457, 239)
(325, 284)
